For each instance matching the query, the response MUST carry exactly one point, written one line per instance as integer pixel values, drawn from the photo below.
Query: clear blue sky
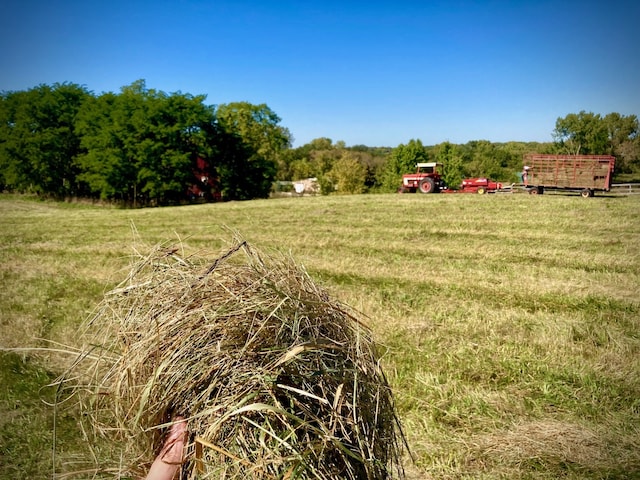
(377, 73)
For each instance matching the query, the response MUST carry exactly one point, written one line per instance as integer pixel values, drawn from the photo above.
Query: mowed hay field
(511, 323)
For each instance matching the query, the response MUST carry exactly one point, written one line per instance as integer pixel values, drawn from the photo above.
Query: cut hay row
(275, 378)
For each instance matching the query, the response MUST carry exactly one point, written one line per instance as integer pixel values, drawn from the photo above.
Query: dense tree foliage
(141, 146)
(258, 133)
(349, 175)
(589, 133)
(324, 160)
(241, 174)
(450, 156)
(402, 160)
(257, 126)
(38, 143)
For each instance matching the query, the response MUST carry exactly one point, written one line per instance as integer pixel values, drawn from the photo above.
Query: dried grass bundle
(276, 379)
(547, 442)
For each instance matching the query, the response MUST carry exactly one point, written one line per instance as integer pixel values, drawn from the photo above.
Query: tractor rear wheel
(427, 185)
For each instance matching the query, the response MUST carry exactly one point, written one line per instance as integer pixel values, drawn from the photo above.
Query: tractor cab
(428, 167)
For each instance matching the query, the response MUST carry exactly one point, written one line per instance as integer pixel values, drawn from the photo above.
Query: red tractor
(427, 179)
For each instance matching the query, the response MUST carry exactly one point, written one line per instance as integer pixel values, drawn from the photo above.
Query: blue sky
(377, 73)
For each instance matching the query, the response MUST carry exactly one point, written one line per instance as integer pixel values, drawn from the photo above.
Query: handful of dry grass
(276, 379)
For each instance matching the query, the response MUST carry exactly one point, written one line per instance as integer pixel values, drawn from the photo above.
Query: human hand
(168, 461)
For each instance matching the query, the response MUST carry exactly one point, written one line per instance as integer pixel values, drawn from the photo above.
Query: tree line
(360, 169)
(143, 147)
(139, 146)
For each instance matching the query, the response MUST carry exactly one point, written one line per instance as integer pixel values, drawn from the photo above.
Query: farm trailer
(579, 173)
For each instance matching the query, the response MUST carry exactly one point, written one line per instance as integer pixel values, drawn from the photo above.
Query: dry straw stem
(275, 378)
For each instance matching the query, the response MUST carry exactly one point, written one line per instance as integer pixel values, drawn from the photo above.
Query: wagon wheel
(482, 191)
(533, 191)
(586, 193)
(427, 185)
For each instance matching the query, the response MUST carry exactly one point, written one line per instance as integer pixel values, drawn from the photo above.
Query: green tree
(483, 159)
(620, 129)
(105, 167)
(264, 140)
(582, 133)
(140, 145)
(323, 160)
(301, 169)
(452, 163)
(239, 173)
(628, 156)
(589, 133)
(402, 160)
(258, 126)
(509, 157)
(321, 143)
(623, 134)
(348, 174)
(287, 160)
(38, 142)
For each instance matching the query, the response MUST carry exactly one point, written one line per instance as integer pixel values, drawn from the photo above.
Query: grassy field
(511, 322)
